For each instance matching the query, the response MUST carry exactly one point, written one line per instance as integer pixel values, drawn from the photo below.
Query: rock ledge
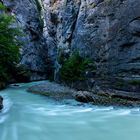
(101, 96)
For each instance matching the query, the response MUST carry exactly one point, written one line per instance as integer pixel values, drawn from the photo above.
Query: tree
(9, 44)
(74, 68)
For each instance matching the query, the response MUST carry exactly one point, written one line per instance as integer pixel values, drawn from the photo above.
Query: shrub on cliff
(21, 74)
(9, 44)
(74, 68)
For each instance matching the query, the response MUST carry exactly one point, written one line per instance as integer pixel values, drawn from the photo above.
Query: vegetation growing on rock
(9, 45)
(74, 68)
(21, 74)
(134, 82)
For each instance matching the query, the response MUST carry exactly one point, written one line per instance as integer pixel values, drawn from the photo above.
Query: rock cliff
(108, 31)
(29, 19)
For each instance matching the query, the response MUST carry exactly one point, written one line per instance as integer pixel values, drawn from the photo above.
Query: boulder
(2, 85)
(1, 103)
(84, 96)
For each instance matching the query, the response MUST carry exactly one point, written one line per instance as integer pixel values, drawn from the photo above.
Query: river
(27, 116)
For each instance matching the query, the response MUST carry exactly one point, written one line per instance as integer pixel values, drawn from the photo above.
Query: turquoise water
(28, 116)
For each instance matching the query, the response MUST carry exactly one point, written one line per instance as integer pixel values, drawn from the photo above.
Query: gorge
(79, 51)
(105, 30)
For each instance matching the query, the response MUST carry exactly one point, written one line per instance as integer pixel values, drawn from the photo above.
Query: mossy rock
(2, 85)
(21, 74)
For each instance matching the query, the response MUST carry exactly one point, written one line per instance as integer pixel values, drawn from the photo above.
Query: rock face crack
(70, 19)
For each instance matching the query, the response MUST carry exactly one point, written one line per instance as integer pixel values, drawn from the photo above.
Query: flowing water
(28, 116)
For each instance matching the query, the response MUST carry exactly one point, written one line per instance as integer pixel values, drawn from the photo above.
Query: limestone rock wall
(108, 31)
(29, 19)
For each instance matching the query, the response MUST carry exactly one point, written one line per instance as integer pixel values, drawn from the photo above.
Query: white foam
(104, 109)
(84, 110)
(3, 118)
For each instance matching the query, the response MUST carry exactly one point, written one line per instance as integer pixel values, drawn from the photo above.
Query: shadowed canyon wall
(108, 31)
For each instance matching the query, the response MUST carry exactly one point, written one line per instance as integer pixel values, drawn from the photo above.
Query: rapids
(28, 116)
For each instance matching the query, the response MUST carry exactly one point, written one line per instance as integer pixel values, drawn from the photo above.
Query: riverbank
(98, 96)
(53, 90)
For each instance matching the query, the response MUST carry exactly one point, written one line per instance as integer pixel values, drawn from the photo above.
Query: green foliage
(9, 44)
(2, 7)
(21, 74)
(120, 83)
(74, 68)
(134, 82)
